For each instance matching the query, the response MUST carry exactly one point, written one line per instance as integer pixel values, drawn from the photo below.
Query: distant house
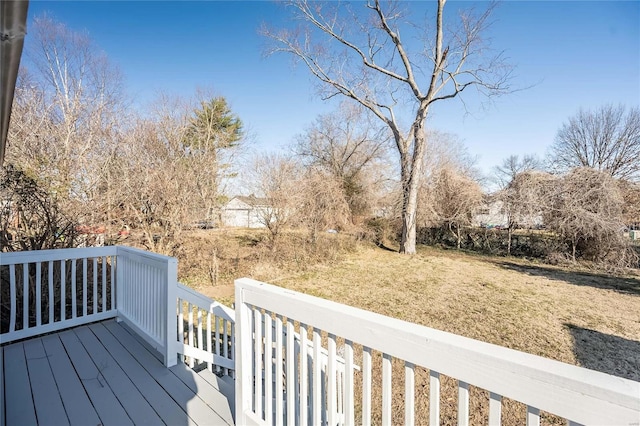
(492, 214)
(245, 212)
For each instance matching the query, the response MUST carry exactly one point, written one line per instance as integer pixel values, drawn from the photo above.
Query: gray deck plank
(153, 351)
(170, 412)
(134, 403)
(102, 397)
(195, 407)
(205, 390)
(79, 408)
(46, 398)
(225, 384)
(19, 403)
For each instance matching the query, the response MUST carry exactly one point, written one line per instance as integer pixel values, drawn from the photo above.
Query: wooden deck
(103, 374)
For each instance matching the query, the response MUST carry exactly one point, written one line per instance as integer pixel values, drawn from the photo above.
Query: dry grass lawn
(539, 309)
(579, 317)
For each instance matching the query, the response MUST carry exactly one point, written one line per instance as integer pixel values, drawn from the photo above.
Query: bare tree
(108, 167)
(169, 165)
(323, 204)
(350, 148)
(524, 200)
(607, 139)
(454, 198)
(513, 165)
(361, 55)
(585, 209)
(631, 208)
(30, 217)
(448, 155)
(518, 180)
(68, 111)
(277, 179)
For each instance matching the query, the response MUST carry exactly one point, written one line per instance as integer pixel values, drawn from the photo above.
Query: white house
(245, 212)
(493, 214)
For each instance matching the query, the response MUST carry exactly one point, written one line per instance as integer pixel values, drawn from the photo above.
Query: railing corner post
(171, 351)
(243, 350)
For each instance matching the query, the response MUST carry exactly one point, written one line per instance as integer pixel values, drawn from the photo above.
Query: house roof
(13, 27)
(252, 200)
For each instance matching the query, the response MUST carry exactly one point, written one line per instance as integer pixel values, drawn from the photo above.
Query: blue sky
(570, 54)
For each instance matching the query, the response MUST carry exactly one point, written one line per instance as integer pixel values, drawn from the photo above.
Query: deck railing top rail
(206, 303)
(19, 257)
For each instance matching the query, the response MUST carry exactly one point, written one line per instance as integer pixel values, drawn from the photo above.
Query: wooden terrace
(104, 374)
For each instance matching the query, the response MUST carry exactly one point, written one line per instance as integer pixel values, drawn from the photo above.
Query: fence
(146, 294)
(50, 290)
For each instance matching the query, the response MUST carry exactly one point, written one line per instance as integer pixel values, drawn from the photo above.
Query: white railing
(206, 332)
(260, 334)
(50, 290)
(146, 297)
(307, 396)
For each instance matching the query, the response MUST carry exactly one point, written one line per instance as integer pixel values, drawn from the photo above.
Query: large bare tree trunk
(409, 209)
(411, 173)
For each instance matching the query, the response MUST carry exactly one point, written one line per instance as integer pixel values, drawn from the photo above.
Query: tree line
(80, 154)
(81, 157)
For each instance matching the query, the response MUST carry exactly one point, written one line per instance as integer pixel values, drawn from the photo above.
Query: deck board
(102, 374)
(102, 397)
(46, 398)
(135, 405)
(2, 410)
(162, 403)
(19, 403)
(190, 401)
(225, 385)
(208, 393)
(77, 405)
(2, 421)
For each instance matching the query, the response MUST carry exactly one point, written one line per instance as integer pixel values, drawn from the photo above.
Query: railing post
(171, 351)
(244, 373)
(119, 286)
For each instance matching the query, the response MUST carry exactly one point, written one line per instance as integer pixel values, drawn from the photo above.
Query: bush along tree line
(79, 160)
(578, 215)
(579, 204)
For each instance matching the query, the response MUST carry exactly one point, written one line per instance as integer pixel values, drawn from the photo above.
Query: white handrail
(146, 297)
(209, 333)
(19, 257)
(577, 394)
(48, 289)
(206, 303)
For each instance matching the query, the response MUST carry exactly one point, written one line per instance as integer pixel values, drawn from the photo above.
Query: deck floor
(102, 374)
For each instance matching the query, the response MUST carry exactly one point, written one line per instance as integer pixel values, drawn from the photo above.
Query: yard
(576, 316)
